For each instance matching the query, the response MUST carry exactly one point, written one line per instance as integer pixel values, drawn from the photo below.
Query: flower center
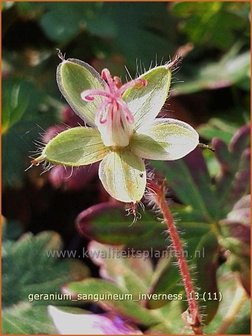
(113, 118)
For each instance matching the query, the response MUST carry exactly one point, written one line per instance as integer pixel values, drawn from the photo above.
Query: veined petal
(165, 139)
(146, 102)
(74, 77)
(80, 323)
(75, 147)
(123, 175)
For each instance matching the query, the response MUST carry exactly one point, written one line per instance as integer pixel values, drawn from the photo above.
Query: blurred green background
(210, 91)
(212, 82)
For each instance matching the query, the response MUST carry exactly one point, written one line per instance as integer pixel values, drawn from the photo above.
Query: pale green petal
(74, 77)
(146, 102)
(165, 139)
(123, 176)
(75, 147)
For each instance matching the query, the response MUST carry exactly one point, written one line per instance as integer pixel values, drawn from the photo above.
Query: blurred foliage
(29, 269)
(205, 205)
(114, 35)
(25, 114)
(208, 191)
(216, 23)
(231, 69)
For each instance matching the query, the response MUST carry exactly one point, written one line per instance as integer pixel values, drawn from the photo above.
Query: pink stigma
(112, 99)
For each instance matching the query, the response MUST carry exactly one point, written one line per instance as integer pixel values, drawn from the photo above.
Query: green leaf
(231, 291)
(235, 237)
(27, 319)
(62, 23)
(75, 147)
(20, 137)
(231, 69)
(206, 279)
(233, 181)
(133, 29)
(31, 266)
(201, 21)
(74, 77)
(191, 182)
(217, 128)
(15, 102)
(202, 252)
(241, 323)
(108, 223)
(165, 281)
(168, 315)
(113, 298)
(135, 271)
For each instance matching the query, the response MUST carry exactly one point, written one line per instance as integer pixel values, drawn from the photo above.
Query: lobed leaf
(233, 180)
(190, 180)
(24, 319)
(45, 273)
(124, 306)
(130, 271)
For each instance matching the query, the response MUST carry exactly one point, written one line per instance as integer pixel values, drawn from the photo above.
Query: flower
(124, 128)
(83, 323)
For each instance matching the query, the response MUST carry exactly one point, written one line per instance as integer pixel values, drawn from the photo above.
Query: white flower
(124, 128)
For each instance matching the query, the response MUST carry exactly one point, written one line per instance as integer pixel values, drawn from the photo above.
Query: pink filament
(112, 94)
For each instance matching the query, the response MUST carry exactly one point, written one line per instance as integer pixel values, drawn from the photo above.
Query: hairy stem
(192, 315)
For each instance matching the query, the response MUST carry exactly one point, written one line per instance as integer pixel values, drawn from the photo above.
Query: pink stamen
(88, 98)
(103, 121)
(105, 75)
(139, 82)
(118, 82)
(113, 102)
(127, 112)
(88, 95)
(101, 114)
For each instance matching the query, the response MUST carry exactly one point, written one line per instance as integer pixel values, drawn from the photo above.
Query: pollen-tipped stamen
(113, 118)
(135, 82)
(106, 76)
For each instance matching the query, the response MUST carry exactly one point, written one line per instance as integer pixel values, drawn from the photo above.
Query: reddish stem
(192, 315)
